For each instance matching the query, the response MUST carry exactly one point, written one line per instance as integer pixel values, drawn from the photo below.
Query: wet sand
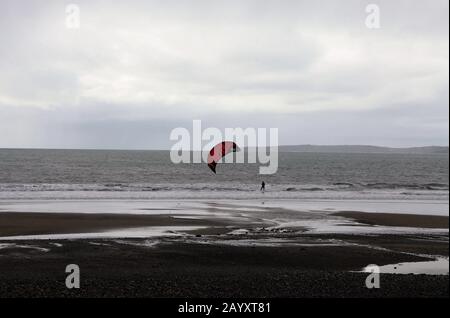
(213, 262)
(401, 220)
(30, 223)
(20, 223)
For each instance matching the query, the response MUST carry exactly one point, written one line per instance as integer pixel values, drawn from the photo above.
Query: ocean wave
(414, 186)
(230, 190)
(293, 189)
(346, 184)
(217, 187)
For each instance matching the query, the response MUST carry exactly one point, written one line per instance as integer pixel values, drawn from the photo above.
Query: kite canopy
(219, 151)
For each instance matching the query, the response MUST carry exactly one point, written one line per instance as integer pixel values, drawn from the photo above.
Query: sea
(28, 174)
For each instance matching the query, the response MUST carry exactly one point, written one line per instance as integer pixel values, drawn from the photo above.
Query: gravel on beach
(136, 268)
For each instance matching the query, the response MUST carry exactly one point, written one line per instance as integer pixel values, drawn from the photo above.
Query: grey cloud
(141, 68)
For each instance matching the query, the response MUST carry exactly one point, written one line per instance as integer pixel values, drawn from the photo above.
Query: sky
(132, 71)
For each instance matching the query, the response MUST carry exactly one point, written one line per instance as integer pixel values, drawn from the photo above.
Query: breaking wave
(336, 190)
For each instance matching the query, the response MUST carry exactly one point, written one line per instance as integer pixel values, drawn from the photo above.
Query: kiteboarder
(263, 187)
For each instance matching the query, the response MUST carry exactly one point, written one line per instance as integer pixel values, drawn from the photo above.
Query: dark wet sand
(178, 269)
(18, 223)
(402, 220)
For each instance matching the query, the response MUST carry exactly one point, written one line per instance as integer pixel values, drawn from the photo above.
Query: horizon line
(166, 149)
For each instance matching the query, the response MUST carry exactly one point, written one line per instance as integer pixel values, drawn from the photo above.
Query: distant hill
(364, 149)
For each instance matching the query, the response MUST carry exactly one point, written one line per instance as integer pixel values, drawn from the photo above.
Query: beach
(224, 152)
(220, 249)
(138, 225)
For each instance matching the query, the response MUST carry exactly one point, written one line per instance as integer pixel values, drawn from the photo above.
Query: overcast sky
(134, 70)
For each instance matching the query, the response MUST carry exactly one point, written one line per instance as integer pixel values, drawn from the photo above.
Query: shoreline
(140, 205)
(219, 220)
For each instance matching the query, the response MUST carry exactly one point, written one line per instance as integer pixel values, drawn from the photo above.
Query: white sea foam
(223, 190)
